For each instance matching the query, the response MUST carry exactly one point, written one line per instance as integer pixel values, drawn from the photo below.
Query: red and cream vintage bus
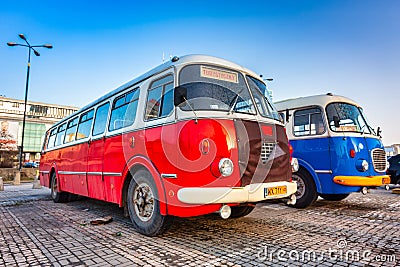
(193, 136)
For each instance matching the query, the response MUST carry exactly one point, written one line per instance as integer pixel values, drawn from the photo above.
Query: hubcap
(143, 200)
(301, 187)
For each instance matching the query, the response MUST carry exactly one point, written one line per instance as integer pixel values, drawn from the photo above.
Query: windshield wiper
(234, 101)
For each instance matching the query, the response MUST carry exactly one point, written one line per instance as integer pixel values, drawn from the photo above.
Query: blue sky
(349, 48)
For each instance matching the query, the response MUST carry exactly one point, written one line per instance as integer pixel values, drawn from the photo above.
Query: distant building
(392, 150)
(39, 118)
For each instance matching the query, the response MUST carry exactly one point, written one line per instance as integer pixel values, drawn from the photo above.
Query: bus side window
(100, 120)
(308, 122)
(52, 138)
(70, 134)
(123, 112)
(85, 124)
(60, 135)
(160, 98)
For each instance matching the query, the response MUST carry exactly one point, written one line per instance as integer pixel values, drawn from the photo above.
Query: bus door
(95, 156)
(311, 143)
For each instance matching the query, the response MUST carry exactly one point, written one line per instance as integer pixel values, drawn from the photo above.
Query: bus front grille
(379, 159)
(266, 150)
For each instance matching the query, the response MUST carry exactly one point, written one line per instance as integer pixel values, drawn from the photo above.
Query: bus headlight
(225, 167)
(295, 164)
(362, 165)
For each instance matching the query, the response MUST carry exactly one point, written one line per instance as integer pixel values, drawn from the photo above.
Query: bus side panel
(46, 161)
(114, 162)
(77, 165)
(315, 151)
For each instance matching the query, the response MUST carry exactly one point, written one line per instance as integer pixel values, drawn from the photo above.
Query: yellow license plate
(274, 191)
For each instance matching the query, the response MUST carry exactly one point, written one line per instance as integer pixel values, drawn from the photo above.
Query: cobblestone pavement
(358, 231)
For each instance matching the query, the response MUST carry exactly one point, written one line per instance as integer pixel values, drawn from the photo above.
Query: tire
(306, 193)
(241, 211)
(334, 197)
(144, 206)
(56, 195)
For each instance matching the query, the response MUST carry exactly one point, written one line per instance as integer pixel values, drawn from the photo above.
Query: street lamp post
(30, 48)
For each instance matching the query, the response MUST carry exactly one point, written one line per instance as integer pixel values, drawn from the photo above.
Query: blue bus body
(334, 160)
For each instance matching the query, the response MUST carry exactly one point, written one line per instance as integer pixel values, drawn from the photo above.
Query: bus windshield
(263, 102)
(344, 117)
(215, 88)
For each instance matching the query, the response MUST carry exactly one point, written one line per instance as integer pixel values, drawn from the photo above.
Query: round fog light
(225, 166)
(225, 212)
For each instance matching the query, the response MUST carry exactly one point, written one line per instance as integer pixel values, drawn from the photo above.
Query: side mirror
(287, 115)
(378, 132)
(336, 121)
(180, 95)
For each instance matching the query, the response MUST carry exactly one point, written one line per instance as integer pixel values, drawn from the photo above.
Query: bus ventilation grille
(266, 150)
(379, 159)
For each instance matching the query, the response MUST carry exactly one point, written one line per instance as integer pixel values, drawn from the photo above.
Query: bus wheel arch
(307, 189)
(141, 163)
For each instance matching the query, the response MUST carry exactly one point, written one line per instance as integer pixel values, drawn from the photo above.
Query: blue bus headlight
(362, 165)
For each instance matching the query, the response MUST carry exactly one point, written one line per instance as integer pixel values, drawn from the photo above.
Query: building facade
(39, 118)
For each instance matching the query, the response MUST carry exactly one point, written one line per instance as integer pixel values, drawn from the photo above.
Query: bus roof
(175, 61)
(320, 100)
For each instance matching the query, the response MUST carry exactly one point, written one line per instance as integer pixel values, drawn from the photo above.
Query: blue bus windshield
(344, 117)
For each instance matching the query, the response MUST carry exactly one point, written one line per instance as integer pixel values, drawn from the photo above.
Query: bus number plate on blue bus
(274, 191)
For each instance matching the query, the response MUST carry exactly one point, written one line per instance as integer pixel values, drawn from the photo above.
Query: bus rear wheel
(334, 197)
(56, 195)
(306, 193)
(144, 206)
(241, 211)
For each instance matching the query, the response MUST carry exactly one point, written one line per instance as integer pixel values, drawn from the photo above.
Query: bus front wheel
(144, 206)
(334, 197)
(306, 193)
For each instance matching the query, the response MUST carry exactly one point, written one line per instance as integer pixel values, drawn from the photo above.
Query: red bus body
(182, 151)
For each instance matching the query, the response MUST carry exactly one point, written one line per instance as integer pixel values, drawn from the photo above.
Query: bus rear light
(352, 153)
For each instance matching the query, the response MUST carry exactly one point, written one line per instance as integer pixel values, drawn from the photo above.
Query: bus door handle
(89, 141)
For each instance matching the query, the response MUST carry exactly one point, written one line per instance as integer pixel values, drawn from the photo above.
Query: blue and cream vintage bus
(337, 149)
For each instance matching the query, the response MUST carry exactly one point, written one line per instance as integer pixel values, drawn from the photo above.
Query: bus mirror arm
(336, 121)
(379, 131)
(287, 115)
(180, 96)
